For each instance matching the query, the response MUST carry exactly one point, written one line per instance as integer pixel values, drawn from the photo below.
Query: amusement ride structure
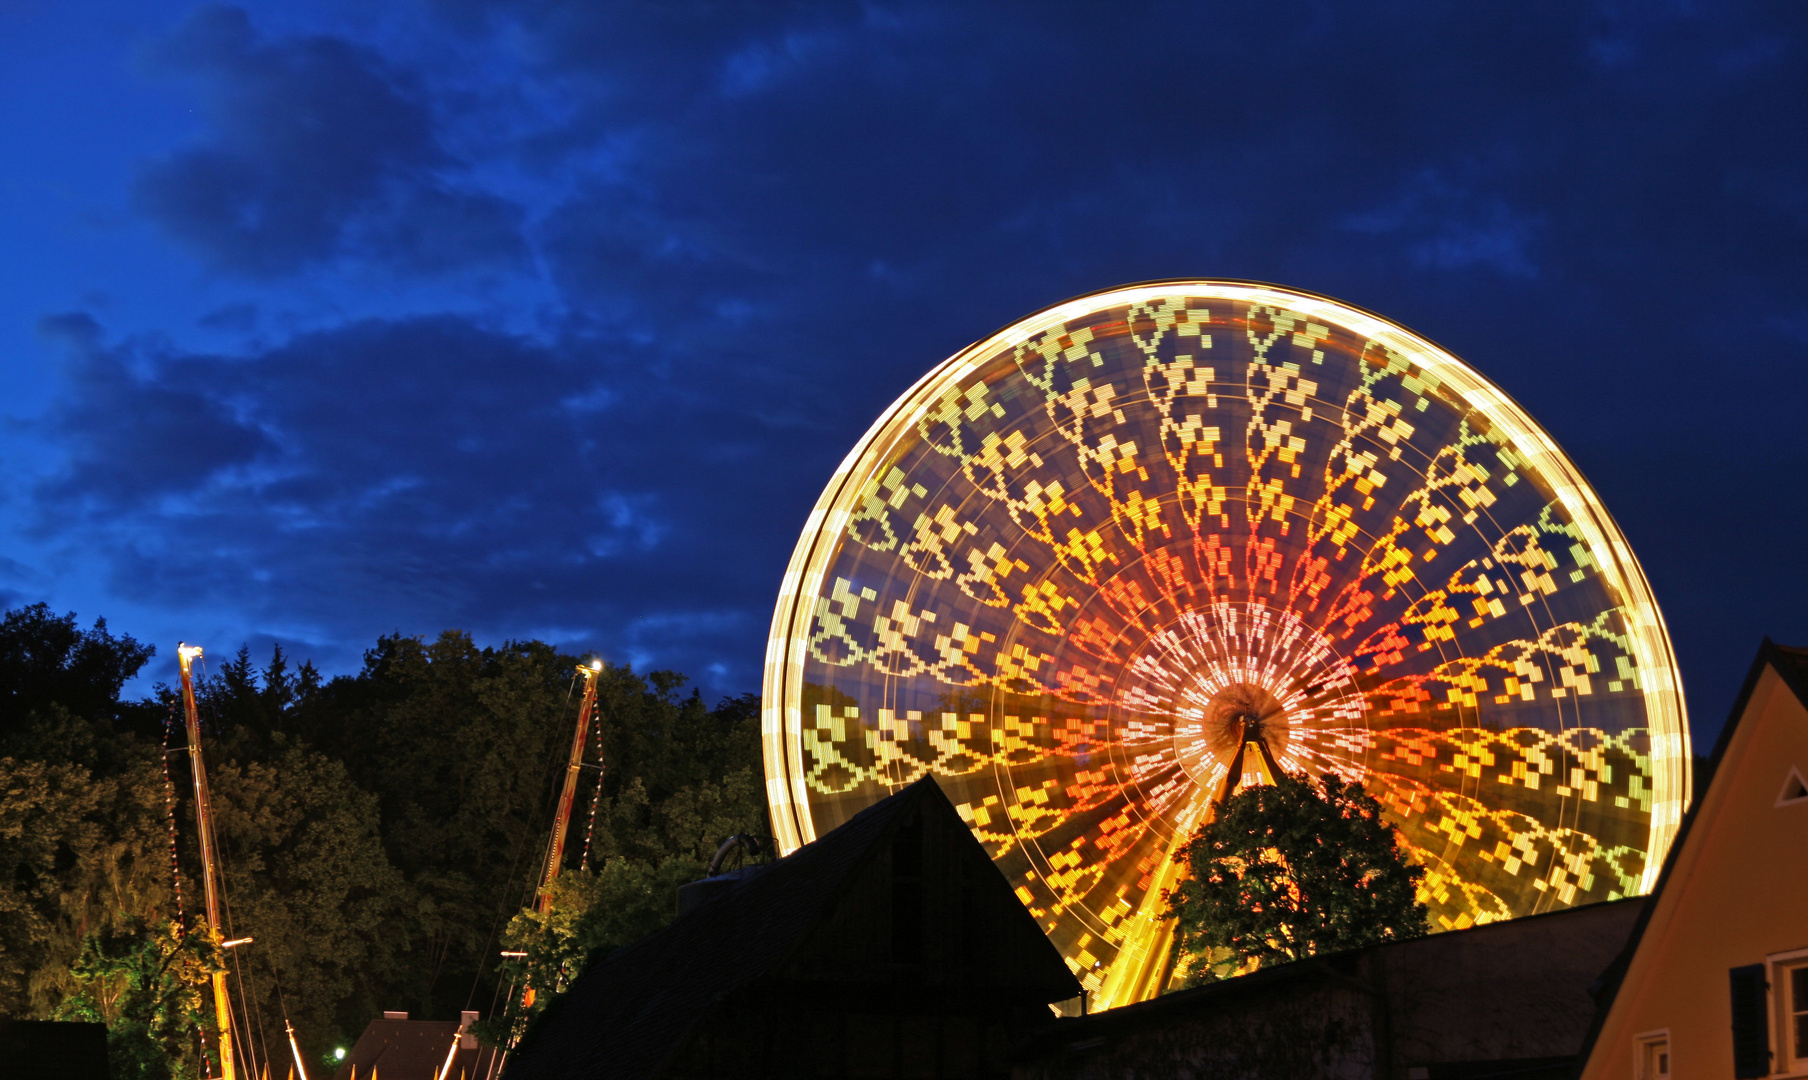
(229, 1039)
(1134, 550)
(231, 1054)
(211, 885)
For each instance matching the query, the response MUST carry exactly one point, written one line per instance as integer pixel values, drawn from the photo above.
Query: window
(1795, 789)
(1652, 1060)
(1789, 988)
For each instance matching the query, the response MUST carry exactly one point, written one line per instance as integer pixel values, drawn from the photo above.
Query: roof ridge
(1614, 976)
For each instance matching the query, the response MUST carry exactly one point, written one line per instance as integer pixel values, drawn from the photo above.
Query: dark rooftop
(640, 1002)
(413, 1050)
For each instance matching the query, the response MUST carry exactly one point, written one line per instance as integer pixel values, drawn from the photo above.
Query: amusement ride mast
(210, 871)
(1249, 730)
(555, 848)
(555, 854)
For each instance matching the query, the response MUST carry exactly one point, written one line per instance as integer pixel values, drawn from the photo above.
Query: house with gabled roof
(1714, 982)
(397, 1048)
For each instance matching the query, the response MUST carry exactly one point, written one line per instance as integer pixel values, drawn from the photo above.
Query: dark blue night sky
(324, 321)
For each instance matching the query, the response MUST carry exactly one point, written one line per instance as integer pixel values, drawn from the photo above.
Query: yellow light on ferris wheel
(1057, 569)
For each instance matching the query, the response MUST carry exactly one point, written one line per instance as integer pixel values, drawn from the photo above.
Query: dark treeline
(379, 831)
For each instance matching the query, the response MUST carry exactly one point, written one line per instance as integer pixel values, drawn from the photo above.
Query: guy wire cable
(201, 682)
(550, 798)
(502, 912)
(211, 709)
(206, 709)
(549, 770)
(282, 1003)
(549, 805)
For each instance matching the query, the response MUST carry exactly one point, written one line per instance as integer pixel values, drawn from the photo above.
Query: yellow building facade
(1714, 983)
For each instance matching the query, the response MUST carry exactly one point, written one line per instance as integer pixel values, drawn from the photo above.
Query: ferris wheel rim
(1461, 390)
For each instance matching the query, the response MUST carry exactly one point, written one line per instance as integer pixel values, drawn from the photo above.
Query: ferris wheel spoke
(1069, 571)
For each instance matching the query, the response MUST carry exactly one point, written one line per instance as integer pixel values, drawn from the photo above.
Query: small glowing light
(339, 1053)
(514, 955)
(236, 942)
(597, 664)
(187, 651)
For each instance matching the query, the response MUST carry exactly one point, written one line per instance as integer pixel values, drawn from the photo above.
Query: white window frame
(1782, 1012)
(1642, 1044)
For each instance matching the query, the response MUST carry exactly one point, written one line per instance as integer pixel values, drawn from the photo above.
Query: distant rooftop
(397, 1048)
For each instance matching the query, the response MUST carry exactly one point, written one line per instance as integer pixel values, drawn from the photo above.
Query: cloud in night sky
(426, 470)
(553, 318)
(308, 137)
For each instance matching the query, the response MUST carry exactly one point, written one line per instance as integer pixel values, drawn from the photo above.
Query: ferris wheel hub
(1230, 673)
(1094, 565)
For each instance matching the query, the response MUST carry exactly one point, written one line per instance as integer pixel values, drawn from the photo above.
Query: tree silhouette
(377, 830)
(1290, 870)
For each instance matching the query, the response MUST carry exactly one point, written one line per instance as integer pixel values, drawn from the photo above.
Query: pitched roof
(1792, 665)
(635, 1007)
(411, 1050)
(1344, 968)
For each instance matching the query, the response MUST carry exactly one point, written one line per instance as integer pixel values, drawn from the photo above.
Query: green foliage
(378, 832)
(591, 913)
(78, 852)
(308, 877)
(81, 802)
(148, 984)
(1291, 870)
(47, 659)
(646, 850)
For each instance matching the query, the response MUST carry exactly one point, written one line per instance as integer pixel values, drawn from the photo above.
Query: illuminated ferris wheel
(1079, 563)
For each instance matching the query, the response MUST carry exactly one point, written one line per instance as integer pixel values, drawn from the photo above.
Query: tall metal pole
(555, 856)
(222, 1007)
(300, 1065)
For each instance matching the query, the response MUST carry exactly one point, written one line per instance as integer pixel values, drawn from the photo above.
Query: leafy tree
(461, 747)
(645, 852)
(1290, 870)
(79, 853)
(591, 913)
(307, 876)
(47, 659)
(464, 748)
(82, 826)
(377, 831)
(679, 777)
(148, 984)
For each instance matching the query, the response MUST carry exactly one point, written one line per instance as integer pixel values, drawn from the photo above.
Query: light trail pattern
(1055, 571)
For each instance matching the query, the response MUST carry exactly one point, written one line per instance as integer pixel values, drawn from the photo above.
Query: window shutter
(1751, 1023)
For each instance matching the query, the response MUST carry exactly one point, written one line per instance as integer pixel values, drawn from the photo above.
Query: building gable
(935, 911)
(1729, 906)
(786, 965)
